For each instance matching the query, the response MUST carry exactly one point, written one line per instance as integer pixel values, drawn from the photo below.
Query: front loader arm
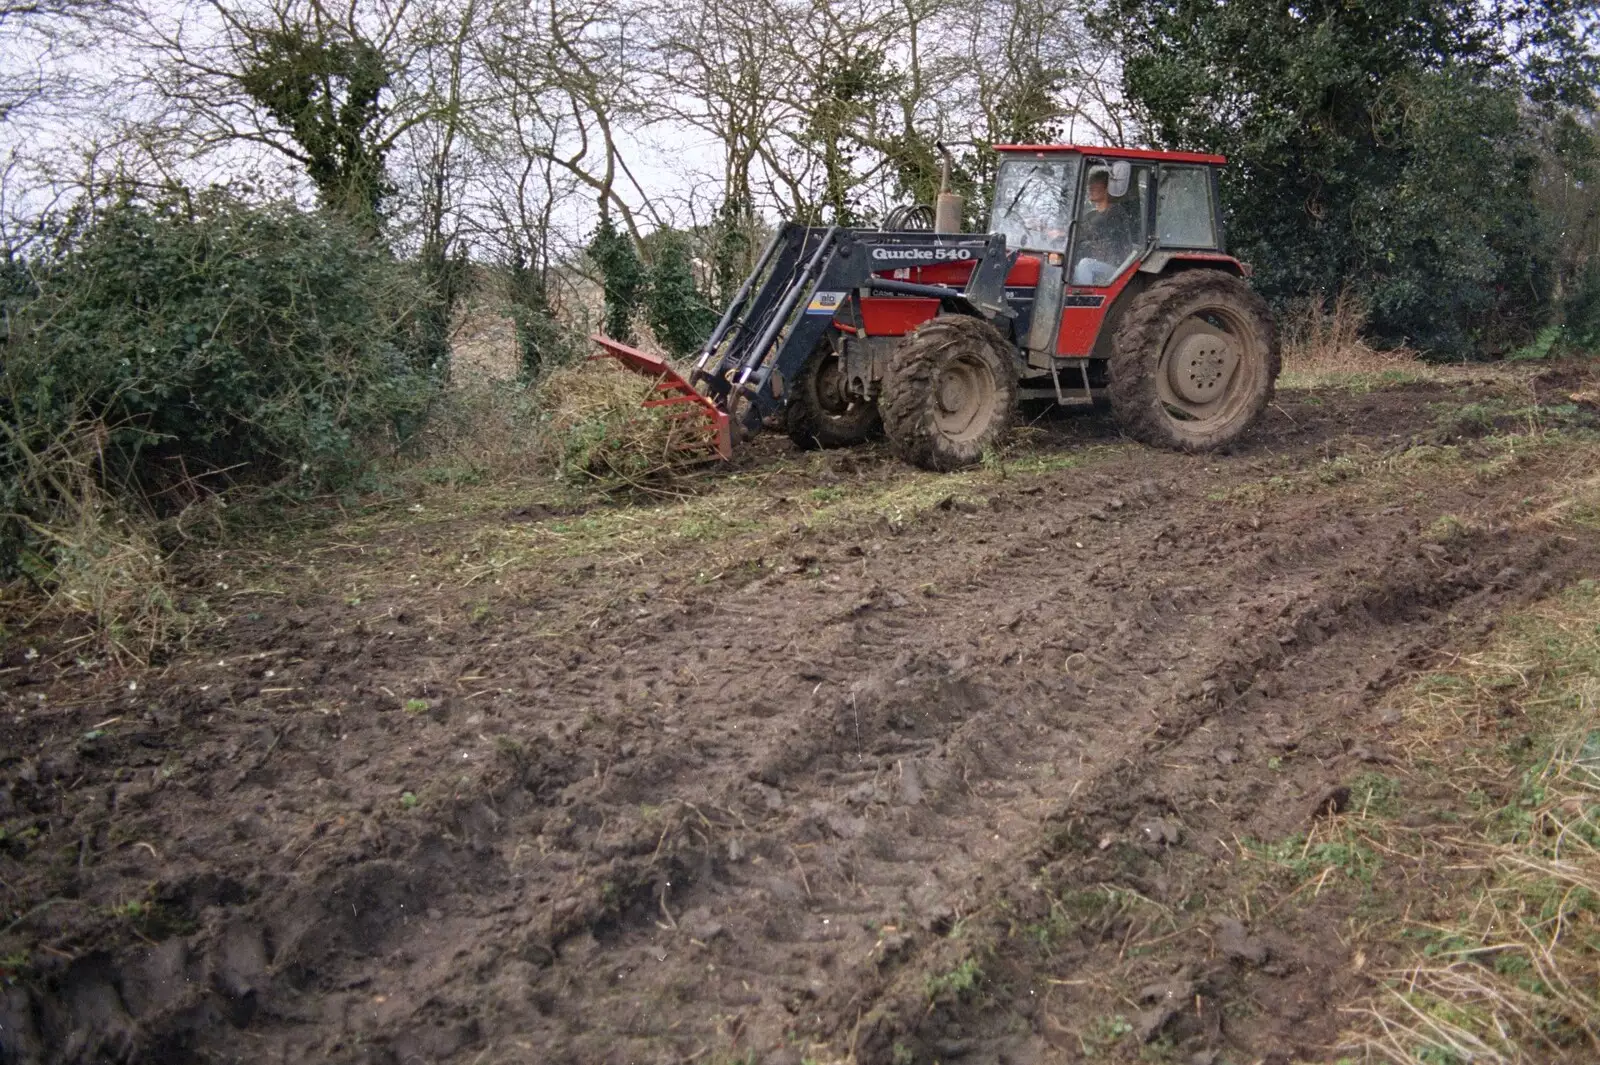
(803, 279)
(811, 274)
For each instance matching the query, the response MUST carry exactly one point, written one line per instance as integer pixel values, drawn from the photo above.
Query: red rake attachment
(672, 390)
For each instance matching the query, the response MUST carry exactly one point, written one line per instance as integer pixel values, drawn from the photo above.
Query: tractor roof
(1115, 153)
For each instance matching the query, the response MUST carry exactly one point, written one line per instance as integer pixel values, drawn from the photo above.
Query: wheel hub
(952, 393)
(964, 398)
(832, 395)
(1200, 368)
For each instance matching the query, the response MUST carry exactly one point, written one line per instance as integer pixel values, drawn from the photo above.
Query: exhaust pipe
(948, 208)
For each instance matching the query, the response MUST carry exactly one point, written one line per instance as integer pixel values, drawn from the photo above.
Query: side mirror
(1117, 187)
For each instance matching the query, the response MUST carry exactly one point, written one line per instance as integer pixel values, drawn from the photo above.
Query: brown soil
(968, 785)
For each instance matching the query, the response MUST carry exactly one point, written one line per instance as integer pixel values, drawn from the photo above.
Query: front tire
(1194, 361)
(822, 413)
(949, 393)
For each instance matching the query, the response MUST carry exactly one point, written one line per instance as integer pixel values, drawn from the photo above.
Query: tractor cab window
(1184, 217)
(1111, 222)
(1033, 202)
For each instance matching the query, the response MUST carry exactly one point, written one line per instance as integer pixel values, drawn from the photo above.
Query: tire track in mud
(743, 818)
(872, 874)
(1211, 683)
(1346, 631)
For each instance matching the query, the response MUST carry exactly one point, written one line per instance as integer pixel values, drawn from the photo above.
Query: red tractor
(1104, 274)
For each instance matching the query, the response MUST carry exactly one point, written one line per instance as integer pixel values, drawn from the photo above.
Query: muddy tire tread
(1136, 352)
(906, 401)
(809, 430)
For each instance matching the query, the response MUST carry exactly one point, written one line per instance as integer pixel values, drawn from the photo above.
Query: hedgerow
(162, 348)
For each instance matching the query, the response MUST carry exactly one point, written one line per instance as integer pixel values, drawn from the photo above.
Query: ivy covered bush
(204, 340)
(1581, 309)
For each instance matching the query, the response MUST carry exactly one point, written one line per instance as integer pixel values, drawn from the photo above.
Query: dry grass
(483, 347)
(481, 430)
(1510, 972)
(1325, 347)
(104, 564)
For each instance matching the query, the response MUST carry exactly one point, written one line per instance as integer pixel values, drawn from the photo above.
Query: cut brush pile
(598, 429)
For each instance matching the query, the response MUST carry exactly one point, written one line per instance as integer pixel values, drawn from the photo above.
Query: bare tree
(576, 70)
(727, 71)
(431, 159)
(40, 43)
(512, 126)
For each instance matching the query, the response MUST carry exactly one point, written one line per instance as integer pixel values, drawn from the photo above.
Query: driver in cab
(1106, 233)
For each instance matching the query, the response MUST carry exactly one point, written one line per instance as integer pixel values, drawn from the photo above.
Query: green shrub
(1391, 148)
(679, 312)
(202, 340)
(544, 341)
(624, 278)
(1580, 309)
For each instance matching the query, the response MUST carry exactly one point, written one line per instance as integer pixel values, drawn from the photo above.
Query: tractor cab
(1088, 221)
(1047, 200)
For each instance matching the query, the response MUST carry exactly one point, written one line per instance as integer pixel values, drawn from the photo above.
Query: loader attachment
(704, 425)
(805, 284)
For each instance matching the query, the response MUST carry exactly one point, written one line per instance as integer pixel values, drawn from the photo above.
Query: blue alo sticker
(825, 303)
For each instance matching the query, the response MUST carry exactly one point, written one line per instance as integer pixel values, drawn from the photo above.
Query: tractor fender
(1167, 260)
(1156, 265)
(1114, 314)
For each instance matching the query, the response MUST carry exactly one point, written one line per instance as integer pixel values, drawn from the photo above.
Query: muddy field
(826, 761)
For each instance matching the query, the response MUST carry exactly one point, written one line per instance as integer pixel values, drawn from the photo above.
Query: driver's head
(1099, 186)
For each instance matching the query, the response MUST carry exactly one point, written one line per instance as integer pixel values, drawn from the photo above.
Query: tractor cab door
(1110, 236)
(1035, 200)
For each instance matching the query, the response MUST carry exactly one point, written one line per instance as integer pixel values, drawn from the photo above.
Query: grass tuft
(959, 981)
(93, 556)
(1324, 347)
(1509, 967)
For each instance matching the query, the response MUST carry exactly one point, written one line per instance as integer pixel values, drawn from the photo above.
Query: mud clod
(1162, 832)
(698, 924)
(1236, 943)
(1336, 800)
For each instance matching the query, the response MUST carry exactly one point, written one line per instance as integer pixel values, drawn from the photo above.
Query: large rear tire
(949, 393)
(1194, 361)
(821, 412)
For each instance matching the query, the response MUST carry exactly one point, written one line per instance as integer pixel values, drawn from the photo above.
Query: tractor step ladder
(706, 423)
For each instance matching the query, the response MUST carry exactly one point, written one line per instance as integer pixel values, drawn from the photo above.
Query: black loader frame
(809, 275)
